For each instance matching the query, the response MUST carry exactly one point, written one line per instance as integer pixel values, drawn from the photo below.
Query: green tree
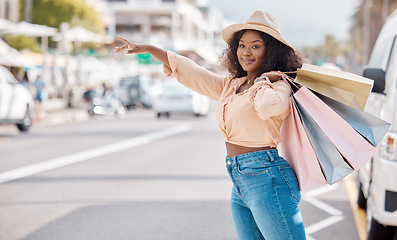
(328, 51)
(54, 12)
(332, 48)
(20, 42)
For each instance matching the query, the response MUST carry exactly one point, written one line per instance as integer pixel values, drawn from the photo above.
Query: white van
(16, 103)
(378, 178)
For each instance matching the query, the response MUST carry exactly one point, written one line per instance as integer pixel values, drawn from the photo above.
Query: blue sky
(303, 22)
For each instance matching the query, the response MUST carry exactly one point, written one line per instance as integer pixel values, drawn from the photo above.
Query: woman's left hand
(132, 47)
(273, 76)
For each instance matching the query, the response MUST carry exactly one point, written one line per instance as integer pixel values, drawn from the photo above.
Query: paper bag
(348, 88)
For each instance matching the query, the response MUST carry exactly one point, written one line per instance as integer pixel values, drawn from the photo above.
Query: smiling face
(250, 52)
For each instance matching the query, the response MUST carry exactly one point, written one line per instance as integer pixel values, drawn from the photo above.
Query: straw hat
(259, 20)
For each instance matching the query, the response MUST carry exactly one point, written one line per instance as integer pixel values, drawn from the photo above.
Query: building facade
(183, 26)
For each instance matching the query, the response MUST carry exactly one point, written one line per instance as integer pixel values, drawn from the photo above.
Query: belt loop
(270, 155)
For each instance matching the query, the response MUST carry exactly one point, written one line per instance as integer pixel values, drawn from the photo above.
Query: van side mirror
(378, 75)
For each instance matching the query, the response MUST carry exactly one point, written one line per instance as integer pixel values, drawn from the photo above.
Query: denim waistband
(269, 155)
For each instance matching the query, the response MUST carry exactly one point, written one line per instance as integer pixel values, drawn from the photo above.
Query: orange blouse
(252, 118)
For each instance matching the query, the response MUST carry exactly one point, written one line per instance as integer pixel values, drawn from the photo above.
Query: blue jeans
(265, 197)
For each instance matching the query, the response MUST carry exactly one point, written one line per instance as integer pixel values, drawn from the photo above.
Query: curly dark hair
(279, 57)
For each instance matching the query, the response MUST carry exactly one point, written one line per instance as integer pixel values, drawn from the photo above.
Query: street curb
(62, 117)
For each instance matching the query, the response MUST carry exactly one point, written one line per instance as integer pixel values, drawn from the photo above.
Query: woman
(252, 103)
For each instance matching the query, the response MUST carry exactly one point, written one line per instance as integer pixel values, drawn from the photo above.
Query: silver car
(176, 98)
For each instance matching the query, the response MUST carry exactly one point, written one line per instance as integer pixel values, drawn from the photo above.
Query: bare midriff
(233, 149)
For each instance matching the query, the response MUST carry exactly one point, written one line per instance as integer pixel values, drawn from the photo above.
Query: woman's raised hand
(131, 47)
(157, 52)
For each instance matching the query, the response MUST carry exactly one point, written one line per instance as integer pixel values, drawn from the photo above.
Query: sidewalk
(56, 112)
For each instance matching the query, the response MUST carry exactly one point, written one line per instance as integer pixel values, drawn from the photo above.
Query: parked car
(135, 91)
(16, 102)
(176, 98)
(377, 179)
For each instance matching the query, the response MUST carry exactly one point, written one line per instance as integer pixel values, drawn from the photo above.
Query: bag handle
(294, 87)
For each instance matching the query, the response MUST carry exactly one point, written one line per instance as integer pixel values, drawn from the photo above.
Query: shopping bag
(297, 150)
(345, 87)
(351, 145)
(331, 161)
(369, 126)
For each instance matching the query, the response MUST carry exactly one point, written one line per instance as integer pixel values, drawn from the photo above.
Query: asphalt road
(134, 177)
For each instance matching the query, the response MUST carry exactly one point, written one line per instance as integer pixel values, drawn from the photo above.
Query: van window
(380, 53)
(391, 72)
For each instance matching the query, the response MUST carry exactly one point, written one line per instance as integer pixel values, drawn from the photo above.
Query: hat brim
(228, 32)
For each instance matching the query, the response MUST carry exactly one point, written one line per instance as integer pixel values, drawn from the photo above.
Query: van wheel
(26, 121)
(378, 231)
(361, 200)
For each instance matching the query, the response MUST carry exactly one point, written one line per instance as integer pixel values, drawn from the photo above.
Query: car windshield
(7, 76)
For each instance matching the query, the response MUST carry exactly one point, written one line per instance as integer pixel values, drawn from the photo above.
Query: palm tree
(367, 23)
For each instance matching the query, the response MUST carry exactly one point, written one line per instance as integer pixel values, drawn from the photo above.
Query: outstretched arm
(131, 48)
(187, 72)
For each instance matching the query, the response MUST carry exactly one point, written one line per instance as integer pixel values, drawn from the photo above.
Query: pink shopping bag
(351, 145)
(297, 150)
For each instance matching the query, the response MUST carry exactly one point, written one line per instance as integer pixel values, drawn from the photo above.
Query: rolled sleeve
(270, 99)
(193, 76)
(172, 59)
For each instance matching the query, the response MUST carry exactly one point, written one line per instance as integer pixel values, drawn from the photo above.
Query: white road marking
(309, 238)
(321, 190)
(89, 154)
(336, 214)
(323, 224)
(323, 206)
